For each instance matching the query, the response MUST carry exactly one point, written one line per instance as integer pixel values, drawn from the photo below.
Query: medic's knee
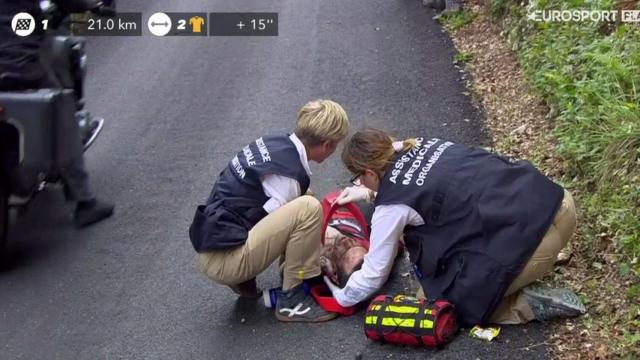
(312, 206)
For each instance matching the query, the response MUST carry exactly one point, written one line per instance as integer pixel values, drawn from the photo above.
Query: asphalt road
(177, 109)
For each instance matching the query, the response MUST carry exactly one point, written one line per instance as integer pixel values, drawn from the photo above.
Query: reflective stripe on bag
(409, 321)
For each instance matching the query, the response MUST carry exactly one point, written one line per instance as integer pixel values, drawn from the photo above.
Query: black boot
(91, 211)
(247, 289)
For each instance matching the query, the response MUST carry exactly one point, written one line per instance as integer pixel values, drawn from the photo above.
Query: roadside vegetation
(586, 76)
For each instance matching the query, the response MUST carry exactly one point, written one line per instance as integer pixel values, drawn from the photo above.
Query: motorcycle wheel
(4, 215)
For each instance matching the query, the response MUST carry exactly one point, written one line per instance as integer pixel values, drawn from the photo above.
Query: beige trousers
(291, 233)
(514, 308)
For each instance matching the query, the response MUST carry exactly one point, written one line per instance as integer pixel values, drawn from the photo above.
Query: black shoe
(296, 306)
(311, 282)
(92, 211)
(247, 289)
(550, 303)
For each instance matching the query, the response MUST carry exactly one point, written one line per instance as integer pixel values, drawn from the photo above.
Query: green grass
(589, 73)
(462, 58)
(455, 21)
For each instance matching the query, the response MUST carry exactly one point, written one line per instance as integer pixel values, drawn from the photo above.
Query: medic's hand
(355, 193)
(332, 287)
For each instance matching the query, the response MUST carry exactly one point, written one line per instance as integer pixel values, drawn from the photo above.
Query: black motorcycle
(29, 121)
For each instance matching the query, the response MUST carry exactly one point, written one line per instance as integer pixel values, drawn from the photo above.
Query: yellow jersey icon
(196, 23)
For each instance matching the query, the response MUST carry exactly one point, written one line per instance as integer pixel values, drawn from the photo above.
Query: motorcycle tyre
(4, 215)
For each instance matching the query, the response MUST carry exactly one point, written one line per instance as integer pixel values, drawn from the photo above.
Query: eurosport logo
(580, 15)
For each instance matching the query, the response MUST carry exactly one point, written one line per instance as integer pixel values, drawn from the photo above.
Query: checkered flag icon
(23, 24)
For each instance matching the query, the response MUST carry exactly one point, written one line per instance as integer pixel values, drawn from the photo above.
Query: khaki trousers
(514, 308)
(292, 233)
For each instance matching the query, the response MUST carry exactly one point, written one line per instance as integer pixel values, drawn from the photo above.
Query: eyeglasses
(355, 180)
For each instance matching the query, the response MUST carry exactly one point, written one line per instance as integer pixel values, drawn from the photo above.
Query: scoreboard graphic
(159, 24)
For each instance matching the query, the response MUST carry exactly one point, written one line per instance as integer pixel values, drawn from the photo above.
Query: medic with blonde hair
(258, 212)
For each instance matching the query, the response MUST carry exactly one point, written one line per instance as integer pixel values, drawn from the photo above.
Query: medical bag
(407, 320)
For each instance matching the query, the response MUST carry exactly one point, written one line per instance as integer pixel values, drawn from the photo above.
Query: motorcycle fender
(35, 114)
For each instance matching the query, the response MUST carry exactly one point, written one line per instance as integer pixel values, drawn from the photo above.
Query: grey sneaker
(549, 303)
(296, 306)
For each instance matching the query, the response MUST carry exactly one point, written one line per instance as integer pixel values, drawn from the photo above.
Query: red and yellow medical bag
(407, 320)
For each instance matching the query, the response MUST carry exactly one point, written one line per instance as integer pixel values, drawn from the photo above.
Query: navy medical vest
(484, 217)
(236, 201)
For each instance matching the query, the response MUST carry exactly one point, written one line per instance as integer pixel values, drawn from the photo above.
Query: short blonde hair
(322, 120)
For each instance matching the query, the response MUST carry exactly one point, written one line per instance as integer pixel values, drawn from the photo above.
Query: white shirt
(281, 189)
(387, 225)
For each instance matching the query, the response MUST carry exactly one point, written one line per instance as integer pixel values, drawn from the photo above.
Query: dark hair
(343, 276)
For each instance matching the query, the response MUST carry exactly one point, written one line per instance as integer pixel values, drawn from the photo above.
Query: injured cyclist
(341, 256)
